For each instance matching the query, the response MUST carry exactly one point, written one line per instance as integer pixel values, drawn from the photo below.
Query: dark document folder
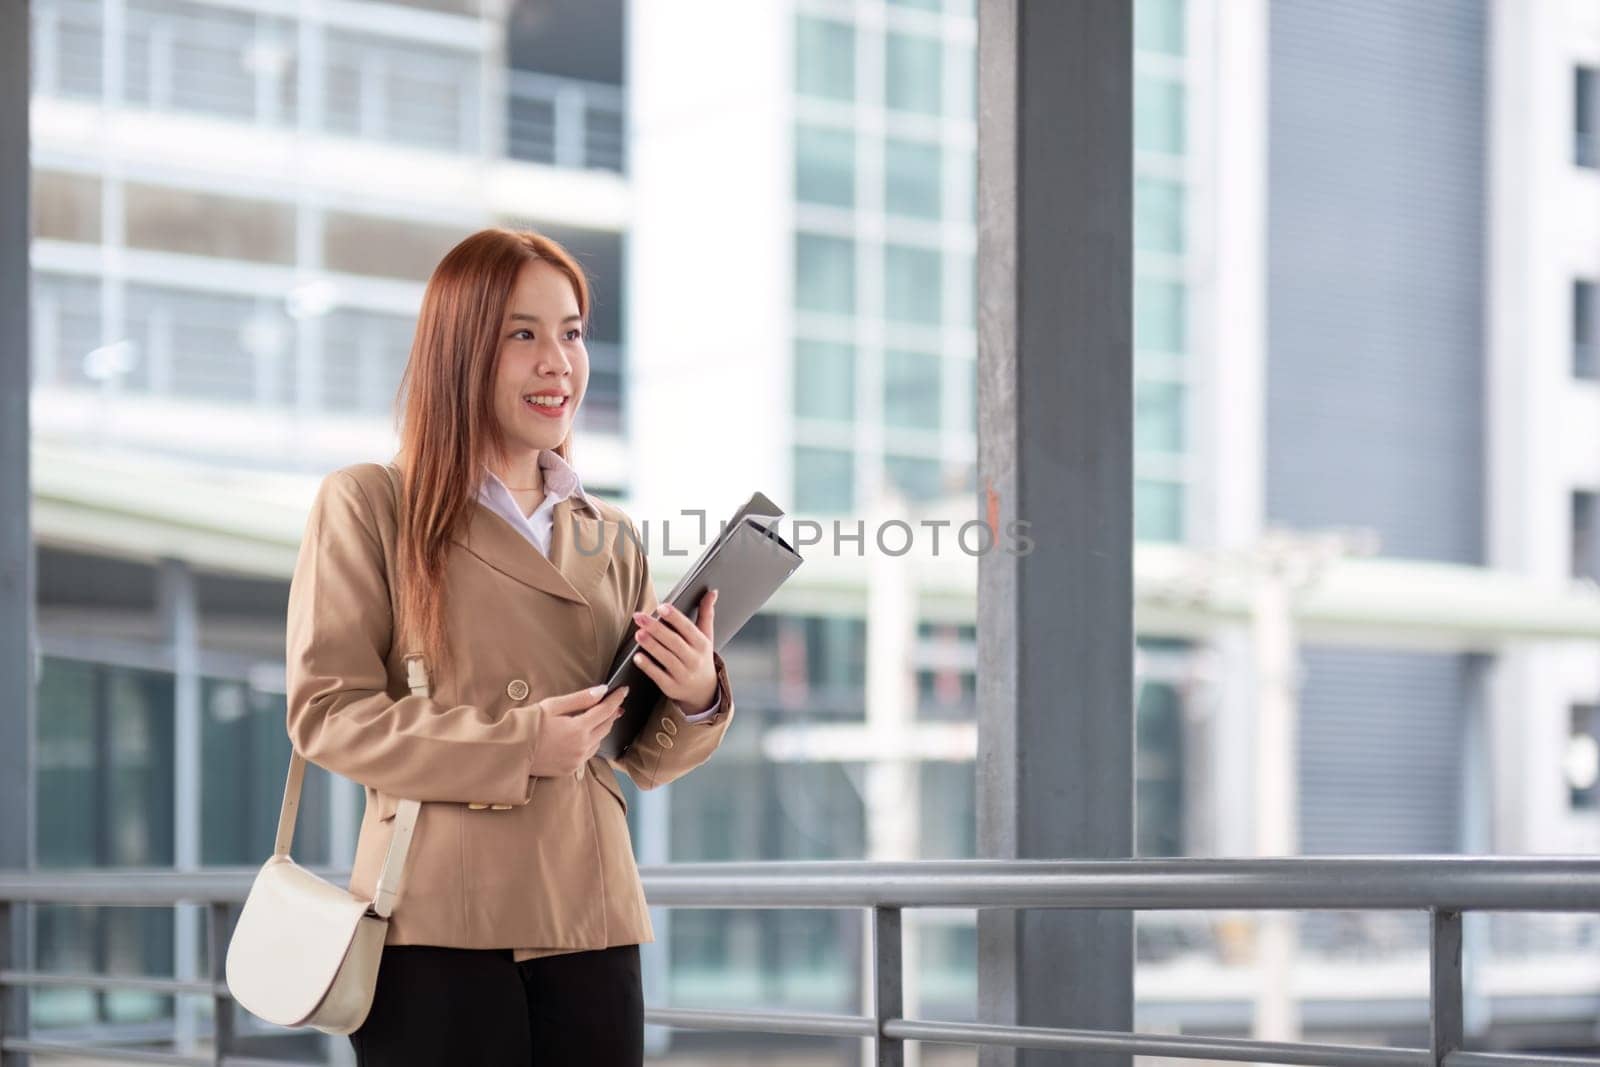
(745, 564)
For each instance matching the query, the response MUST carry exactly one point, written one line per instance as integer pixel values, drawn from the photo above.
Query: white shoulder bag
(305, 952)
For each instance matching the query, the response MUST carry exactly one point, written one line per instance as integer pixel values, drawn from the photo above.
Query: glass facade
(1161, 199)
(792, 669)
(1585, 535)
(1586, 117)
(1585, 331)
(1159, 779)
(885, 178)
(884, 259)
(884, 254)
(107, 798)
(105, 766)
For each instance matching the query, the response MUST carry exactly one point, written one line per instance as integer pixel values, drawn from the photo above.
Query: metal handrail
(1443, 886)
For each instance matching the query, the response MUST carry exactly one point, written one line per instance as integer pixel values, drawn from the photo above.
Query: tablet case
(745, 564)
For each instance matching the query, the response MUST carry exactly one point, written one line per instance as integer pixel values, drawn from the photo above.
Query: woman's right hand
(574, 725)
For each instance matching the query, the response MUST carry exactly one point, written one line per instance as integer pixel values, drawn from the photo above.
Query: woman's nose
(552, 360)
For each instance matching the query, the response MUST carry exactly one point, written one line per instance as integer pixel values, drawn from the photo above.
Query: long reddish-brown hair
(446, 418)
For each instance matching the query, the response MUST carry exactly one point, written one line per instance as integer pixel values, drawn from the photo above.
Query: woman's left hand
(680, 653)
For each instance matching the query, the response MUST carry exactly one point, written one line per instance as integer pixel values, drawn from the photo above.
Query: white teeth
(546, 401)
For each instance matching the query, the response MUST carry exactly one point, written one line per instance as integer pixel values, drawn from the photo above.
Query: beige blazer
(555, 870)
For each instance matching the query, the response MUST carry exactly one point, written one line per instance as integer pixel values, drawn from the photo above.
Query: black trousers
(436, 1005)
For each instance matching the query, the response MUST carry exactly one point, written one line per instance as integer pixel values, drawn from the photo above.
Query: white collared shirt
(560, 482)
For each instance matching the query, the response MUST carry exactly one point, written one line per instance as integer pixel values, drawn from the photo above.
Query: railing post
(13, 1005)
(221, 1002)
(19, 661)
(887, 997)
(1444, 984)
(6, 964)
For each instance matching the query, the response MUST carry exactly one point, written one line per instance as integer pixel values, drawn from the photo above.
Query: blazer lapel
(581, 545)
(577, 558)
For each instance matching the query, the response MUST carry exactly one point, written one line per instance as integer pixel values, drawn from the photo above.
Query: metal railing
(1442, 886)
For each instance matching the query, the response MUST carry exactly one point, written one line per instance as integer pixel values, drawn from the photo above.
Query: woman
(475, 573)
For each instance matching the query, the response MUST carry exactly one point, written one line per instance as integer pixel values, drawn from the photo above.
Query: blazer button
(517, 689)
(669, 726)
(663, 740)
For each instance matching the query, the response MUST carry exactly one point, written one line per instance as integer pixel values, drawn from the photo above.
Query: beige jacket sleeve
(340, 713)
(660, 753)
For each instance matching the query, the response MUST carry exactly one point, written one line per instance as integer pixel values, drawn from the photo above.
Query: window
(105, 766)
(825, 59)
(1585, 358)
(964, 82)
(67, 48)
(1586, 117)
(947, 688)
(947, 820)
(234, 64)
(911, 178)
(65, 206)
(364, 354)
(1581, 761)
(825, 273)
(1159, 315)
(243, 748)
(375, 245)
(825, 166)
(209, 346)
(911, 390)
(1158, 215)
(1158, 417)
(911, 284)
(1158, 26)
(1585, 536)
(1157, 510)
(915, 476)
(971, 406)
(1158, 119)
(835, 652)
(912, 74)
(965, 312)
(164, 219)
(824, 380)
(67, 328)
(824, 479)
(1158, 775)
(377, 88)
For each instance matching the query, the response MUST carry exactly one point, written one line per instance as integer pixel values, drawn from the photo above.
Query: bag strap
(394, 862)
(405, 819)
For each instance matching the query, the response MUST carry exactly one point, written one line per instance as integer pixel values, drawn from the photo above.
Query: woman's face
(541, 356)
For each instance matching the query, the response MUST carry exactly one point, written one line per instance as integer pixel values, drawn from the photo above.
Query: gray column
(180, 614)
(1055, 622)
(17, 663)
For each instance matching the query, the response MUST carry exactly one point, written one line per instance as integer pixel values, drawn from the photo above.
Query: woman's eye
(576, 333)
(520, 333)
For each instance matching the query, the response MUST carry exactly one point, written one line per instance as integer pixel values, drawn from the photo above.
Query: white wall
(708, 257)
(1543, 437)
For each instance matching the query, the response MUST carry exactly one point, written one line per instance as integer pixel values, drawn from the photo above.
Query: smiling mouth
(546, 405)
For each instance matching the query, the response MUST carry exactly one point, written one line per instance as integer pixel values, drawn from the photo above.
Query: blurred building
(1365, 298)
